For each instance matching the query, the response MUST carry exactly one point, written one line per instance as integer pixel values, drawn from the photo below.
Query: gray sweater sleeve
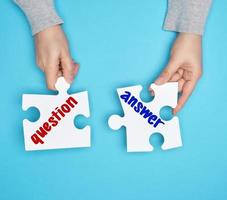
(187, 15)
(41, 14)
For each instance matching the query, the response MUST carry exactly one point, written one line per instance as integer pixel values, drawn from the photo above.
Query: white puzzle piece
(55, 128)
(143, 119)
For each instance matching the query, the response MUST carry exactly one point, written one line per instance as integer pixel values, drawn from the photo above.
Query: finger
(176, 77)
(76, 68)
(69, 69)
(40, 65)
(51, 71)
(186, 92)
(180, 84)
(60, 74)
(187, 75)
(180, 71)
(166, 74)
(151, 91)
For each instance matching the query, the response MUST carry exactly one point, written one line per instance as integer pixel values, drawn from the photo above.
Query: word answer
(141, 109)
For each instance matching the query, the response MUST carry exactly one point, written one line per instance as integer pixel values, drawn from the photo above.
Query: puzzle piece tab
(143, 119)
(55, 128)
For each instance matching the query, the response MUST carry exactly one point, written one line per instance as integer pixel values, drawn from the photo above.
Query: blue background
(118, 43)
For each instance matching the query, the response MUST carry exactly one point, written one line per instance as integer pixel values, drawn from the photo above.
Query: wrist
(49, 30)
(190, 37)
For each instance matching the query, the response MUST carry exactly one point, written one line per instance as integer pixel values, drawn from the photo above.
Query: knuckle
(165, 73)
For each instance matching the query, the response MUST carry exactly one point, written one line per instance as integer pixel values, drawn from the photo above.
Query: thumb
(69, 69)
(167, 73)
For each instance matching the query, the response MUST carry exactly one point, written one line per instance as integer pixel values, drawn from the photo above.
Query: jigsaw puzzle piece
(142, 119)
(55, 128)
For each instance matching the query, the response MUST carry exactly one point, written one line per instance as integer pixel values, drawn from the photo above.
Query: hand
(53, 56)
(184, 67)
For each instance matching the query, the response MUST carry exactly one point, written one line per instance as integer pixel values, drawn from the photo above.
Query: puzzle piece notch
(62, 86)
(65, 134)
(156, 140)
(138, 131)
(166, 113)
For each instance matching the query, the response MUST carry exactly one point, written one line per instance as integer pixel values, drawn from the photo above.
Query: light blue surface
(118, 43)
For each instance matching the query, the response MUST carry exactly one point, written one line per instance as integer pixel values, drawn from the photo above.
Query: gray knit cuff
(187, 16)
(41, 14)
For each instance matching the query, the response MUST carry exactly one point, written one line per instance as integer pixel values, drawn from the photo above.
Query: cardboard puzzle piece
(55, 128)
(143, 119)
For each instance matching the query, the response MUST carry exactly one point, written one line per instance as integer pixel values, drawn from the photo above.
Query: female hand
(184, 67)
(53, 56)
